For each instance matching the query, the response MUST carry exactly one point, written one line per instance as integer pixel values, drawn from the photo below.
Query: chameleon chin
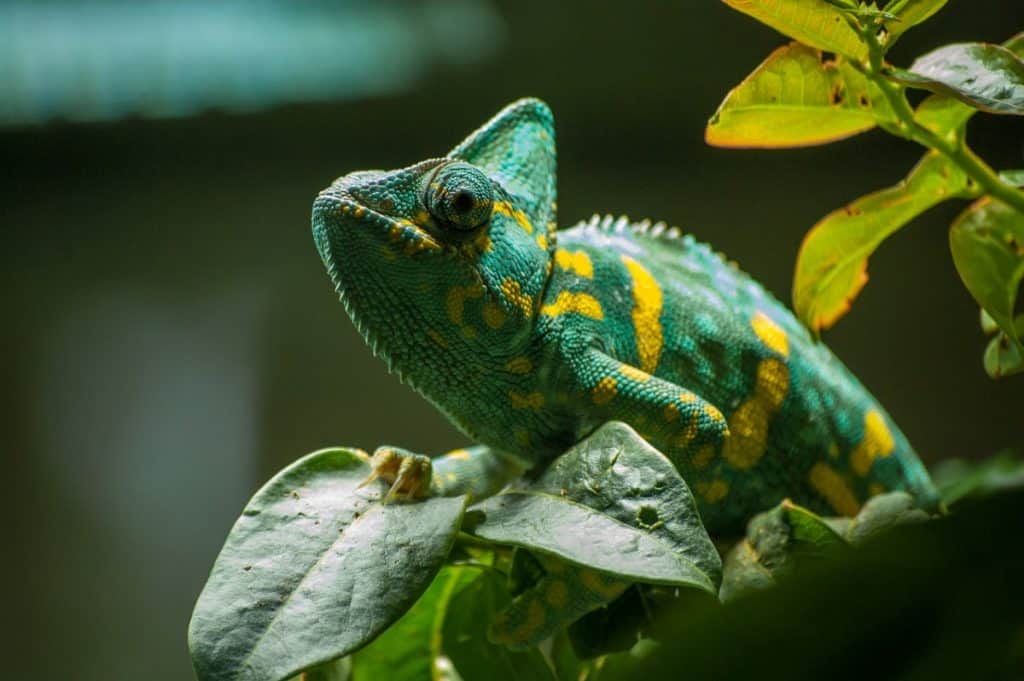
(528, 337)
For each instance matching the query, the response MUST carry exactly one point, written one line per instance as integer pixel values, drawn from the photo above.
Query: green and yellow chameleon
(528, 339)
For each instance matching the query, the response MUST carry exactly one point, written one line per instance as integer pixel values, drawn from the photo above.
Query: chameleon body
(528, 338)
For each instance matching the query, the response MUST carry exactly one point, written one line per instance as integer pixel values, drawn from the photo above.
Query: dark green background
(170, 338)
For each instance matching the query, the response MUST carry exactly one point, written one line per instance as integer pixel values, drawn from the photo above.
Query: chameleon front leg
(477, 471)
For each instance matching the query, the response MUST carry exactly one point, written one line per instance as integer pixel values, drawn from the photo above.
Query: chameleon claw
(408, 474)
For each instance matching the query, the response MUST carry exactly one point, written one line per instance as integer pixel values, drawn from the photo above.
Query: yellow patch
(604, 586)
(634, 374)
(421, 218)
(359, 212)
(526, 629)
(542, 241)
(834, 489)
(575, 261)
(437, 338)
(687, 434)
(519, 365)
(713, 413)
(688, 398)
(703, 457)
(605, 391)
(513, 292)
(877, 442)
(874, 489)
(506, 208)
(556, 594)
(468, 332)
(460, 454)
(647, 302)
(748, 425)
(493, 315)
(713, 491)
(579, 303)
(770, 333)
(671, 412)
(455, 302)
(533, 400)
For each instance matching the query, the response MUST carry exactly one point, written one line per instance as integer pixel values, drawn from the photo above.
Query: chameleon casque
(528, 338)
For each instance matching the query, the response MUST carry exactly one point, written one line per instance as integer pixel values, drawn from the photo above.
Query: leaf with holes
(315, 568)
(987, 241)
(831, 266)
(987, 77)
(811, 22)
(611, 503)
(796, 98)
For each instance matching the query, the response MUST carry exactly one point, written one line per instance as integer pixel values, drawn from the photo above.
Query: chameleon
(528, 338)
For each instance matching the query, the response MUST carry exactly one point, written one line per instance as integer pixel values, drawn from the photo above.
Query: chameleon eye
(460, 196)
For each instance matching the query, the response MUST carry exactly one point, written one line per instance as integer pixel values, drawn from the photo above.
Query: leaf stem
(953, 147)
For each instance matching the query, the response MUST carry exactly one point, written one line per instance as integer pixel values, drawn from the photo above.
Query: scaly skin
(528, 339)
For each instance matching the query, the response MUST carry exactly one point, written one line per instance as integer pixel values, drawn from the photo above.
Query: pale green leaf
(832, 263)
(315, 568)
(882, 513)
(958, 479)
(638, 516)
(909, 14)
(813, 22)
(796, 98)
(1004, 357)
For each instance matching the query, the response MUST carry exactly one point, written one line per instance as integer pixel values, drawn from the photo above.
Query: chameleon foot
(408, 474)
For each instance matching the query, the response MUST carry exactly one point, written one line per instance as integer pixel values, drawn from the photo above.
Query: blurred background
(171, 339)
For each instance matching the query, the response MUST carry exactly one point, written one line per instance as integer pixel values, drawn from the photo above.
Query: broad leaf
(988, 77)
(958, 479)
(812, 22)
(335, 670)
(909, 14)
(611, 503)
(831, 266)
(315, 568)
(881, 514)
(465, 641)
(410, 649)
(987, 241)
(1004, 357)
(809, 529)
(796, 98)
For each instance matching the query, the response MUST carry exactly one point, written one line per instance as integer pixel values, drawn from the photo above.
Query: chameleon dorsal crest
(516, 148)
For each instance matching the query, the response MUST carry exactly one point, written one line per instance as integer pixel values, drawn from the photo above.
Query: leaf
(1002, 356)
(335, 670)
(987, 241)
(409, 650)
(796, 98)
(910, 14)
(811, 22)
(988, 77)
(808, 529)
(611, 503)
(831, 266)
(465, 636)
(881, 514)
(958, 479)
(1014, 177)
(315, 568)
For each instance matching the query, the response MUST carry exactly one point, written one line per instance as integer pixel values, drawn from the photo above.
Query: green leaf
(796, 98)
(465, 639)
(812, 22)
(335, 670)
(909, 14)
(958, 479)
(988, 77)
(810, 530)
(831, 266)
(1014, 177)
(881, 514)
(987, 241)
(611, 503)
(1004, 357)
(410, 649)
(315, 568)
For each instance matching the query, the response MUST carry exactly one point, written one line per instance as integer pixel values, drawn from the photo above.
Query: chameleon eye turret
(460, 196)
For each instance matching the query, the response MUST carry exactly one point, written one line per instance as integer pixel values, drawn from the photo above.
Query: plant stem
(954, 147)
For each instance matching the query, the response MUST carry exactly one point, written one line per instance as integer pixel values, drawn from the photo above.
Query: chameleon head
(449, 251)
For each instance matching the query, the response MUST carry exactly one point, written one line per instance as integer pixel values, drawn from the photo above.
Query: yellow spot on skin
(493, 315)
(748, 425)
(579, 303)
(874, 489)
(688, 398)
(525, 631)
(421, 218)
(713, 491)
(359, 212)
(647, 302)
(770, 333)
(506, 208)
(513, 292)
(437, 338)
(877, 442)
(519, 365)
(713, 413)
(603, 585)
(468, 332)
(689, 432)
(605, 391)
(556, 594)
(533, 400)
(460, 454)
(634, 374)
(456, 301)
(833, 487)
(703, 457)
(575, 261)
(542, 241)
(671, 412)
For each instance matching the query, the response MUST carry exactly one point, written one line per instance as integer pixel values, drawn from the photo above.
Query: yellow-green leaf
(812, 22)
(987, 241)
(796, 98)
(831, 267)
(910, 14)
